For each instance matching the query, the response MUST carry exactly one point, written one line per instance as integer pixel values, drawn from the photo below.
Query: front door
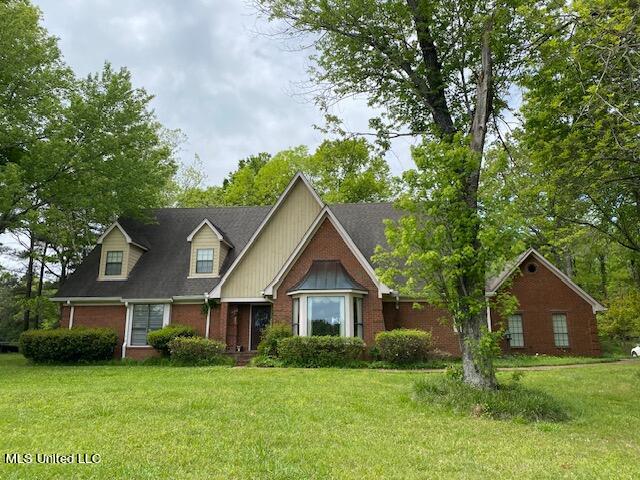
(260, 318)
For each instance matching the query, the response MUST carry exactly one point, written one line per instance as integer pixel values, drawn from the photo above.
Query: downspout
(71, 313)
(126, 329)
(206, 301)
(488, 316)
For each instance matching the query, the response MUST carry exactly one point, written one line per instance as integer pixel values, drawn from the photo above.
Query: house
(230, 271)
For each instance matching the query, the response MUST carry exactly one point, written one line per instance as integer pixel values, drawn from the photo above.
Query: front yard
(169, 422)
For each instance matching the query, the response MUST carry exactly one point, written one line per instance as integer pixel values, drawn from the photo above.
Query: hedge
(322, 351)
(159, 339)
(198, 351)
(403, 346)
(268, 346)
(68, 346)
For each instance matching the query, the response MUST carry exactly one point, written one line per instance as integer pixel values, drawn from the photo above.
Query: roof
(162, 271)
(327, 275)
(493, 284)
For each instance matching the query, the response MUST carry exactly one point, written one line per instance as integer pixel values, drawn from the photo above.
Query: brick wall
(111, 316)
(328, 245)
(190, 315)
(426, 318)
(541, 294)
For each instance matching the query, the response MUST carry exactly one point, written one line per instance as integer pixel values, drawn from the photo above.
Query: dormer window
(113, 265)
(208, 250)
(204, 260)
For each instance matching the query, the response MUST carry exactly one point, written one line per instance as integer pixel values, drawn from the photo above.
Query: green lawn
(166, 422)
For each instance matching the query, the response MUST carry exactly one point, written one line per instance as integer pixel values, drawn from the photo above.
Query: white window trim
(166, 318)
(303, 310)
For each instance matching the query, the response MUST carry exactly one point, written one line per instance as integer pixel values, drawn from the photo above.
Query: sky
(217, 75)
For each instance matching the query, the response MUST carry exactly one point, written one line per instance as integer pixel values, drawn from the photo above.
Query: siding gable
(274, 244)
(116, 241)
(206, 238)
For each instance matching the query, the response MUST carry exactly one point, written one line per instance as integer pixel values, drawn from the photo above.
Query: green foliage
(268, 346)
(622, 319)
(342, 171)
(69, 345)
(510, 401)
(266, 362)
(189, 350)
(159, 339)
(485, 350)
(404, 346)
(320, 351)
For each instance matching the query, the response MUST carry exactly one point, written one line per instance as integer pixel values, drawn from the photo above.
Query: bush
(320, 351)
(621, 321)
(403, 346)
(198, 351)
(268, 346)
(159, 339)
(68, 346)
(265, 362)
(510, 401)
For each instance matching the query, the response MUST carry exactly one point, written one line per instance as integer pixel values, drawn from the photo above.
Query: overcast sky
(231, 89)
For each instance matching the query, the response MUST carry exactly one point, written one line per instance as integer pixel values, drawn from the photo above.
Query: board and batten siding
(115, 241)
(274, 245)
(205, 238)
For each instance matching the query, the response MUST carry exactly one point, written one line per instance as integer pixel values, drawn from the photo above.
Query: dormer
(118, 255)
(208, 251)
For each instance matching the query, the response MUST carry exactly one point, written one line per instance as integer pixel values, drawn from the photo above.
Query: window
(357, 317)
(325, 316)
(560, 330)
(204, 260)
(114, 263)
(516, 335)
(146, 318)
(295, 320)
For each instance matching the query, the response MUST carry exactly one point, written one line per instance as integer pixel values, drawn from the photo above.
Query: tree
(341, 171)
(582, 119)
(87, 147)
(438, 69)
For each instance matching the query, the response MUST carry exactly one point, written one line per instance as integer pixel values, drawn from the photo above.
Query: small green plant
(159, 339)
(69, 345)
(403, 346)
(268, 346)
(454, 372)
(322, 351)
(198, 351)
(265, 362)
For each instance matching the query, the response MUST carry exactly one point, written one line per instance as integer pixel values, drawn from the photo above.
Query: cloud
(214, 76)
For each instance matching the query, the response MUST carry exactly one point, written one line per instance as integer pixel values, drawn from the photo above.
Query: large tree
(89, 148)
(342, 171)
(437, 69)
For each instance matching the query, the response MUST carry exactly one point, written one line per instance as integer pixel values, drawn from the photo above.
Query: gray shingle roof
(162, 271)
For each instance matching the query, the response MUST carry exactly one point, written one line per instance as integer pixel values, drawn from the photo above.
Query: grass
(510, 401)
(215, 422)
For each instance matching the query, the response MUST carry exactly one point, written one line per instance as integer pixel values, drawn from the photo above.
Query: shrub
(320, 351)
(403, 346)
(159, 339)
(621, 321)
(198, 351)
(510, 401)
(67, 346)
(265, 362)
(268, 346)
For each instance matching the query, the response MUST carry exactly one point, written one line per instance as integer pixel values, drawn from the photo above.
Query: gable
(205, 237)
(274, 243)
(325, 244)
(547, 281)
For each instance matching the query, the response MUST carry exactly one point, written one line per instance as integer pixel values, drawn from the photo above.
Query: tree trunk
(29, 283)
(475, 374)
(41, 280)
(602, 260)
(474, 367)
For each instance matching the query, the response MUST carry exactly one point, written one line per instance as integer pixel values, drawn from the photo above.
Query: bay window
(325, 316)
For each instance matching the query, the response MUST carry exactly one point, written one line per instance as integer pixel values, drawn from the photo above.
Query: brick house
(230, 271)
